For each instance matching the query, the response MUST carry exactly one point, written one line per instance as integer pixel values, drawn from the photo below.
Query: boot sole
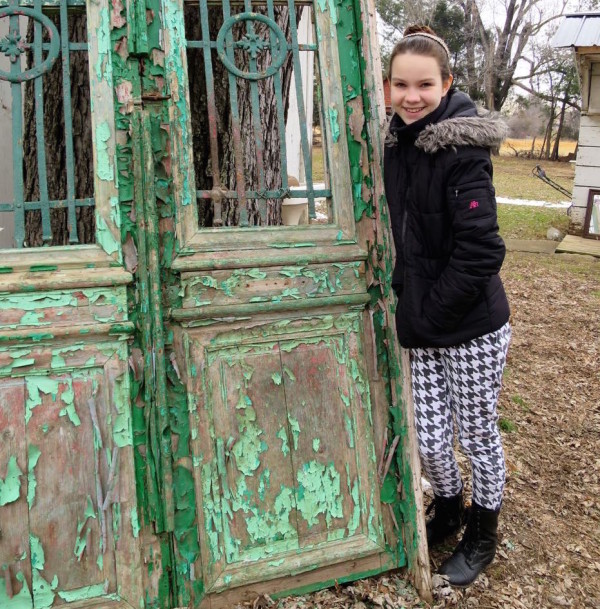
(463, 586)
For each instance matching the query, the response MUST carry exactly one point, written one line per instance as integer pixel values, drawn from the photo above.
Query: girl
(452, 311)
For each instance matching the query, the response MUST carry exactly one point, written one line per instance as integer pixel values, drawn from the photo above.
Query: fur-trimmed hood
(487, 131)
(457, 122)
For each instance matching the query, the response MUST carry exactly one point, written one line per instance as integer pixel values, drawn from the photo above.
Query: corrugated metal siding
(581, 30)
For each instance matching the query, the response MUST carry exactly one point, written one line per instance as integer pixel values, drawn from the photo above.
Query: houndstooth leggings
(463, 381)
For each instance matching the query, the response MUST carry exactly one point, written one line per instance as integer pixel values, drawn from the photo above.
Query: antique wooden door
(69, 523)
(203, 403)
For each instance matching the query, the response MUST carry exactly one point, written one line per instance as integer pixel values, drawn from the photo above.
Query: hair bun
(419, 29)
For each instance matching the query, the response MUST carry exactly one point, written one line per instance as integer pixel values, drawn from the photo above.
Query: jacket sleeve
(478, 250)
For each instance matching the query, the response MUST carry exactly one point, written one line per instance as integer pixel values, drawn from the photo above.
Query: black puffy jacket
(438, 183)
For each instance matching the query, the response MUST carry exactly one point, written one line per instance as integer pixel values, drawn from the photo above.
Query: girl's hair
(429, 44)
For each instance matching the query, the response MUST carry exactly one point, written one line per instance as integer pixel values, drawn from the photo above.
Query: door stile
(409, 506)
(153, 344)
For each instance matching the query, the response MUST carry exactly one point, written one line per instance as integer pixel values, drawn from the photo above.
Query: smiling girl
(452, 311)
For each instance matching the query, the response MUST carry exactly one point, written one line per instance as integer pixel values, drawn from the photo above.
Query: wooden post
(421, 571)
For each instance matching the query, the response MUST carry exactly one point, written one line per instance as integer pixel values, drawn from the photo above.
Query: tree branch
(548, 98)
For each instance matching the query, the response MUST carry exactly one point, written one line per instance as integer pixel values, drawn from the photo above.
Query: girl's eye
(426, 84)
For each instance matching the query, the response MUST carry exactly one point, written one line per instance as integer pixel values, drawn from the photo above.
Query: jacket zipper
(404, 223)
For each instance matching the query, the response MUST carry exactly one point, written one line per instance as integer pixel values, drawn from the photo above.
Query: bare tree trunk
(269, 131)
(545, 150)
(554, 155)
(55, 144)
(473, 76)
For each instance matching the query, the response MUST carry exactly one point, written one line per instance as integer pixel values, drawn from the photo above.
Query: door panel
(321, 415)
(76, 534)
(70, 535)
(252, 451)
(278, 419)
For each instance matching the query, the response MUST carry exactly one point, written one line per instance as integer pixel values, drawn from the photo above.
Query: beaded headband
(431, 37)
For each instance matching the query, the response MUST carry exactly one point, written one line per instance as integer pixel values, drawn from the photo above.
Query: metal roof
(578, 30)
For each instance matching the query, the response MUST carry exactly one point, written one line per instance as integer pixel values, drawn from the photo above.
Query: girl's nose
(412, 95)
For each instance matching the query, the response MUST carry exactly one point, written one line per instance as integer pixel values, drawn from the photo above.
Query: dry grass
(512, 146)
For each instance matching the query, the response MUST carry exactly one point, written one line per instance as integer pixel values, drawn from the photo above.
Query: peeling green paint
(20, 600)
(335, 127)
(295, 428)
(249, 446)
(104, 167)
(349, 430)
(67, 398)
(333, 11)
(116, 522)
(121, 429)
(271, 527)
(43, 591)
(103, 64)
(185, 514)
(319, 492)
(36, 385)
(105, 237)
(82, 594)
(264, 482)
(34, 454)
(288, 372)
(34, 302)
(316, 444)
(10, 487)
(32, 318)
(354, 523)
(135, 523)
(282, 435)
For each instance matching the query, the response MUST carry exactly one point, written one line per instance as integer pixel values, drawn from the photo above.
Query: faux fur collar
(482, 131)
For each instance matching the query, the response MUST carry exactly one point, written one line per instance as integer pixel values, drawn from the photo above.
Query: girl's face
(416, 86)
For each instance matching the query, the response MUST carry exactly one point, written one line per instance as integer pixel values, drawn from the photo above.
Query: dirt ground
(549, 552)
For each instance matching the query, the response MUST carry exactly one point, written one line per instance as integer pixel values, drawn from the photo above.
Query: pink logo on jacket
(473, 204)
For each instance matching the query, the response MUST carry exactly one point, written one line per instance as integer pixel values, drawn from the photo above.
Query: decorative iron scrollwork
(253, 44)
(13, 46)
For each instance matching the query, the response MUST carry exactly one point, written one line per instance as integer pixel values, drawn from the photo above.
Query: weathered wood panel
(15, 565)
(72, 538)
(271, 284)
(77, 540)
(63, 308)
(322, 409)
(283, 448)
(253, 458)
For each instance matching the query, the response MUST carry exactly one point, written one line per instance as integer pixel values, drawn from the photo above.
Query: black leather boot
(476, 549)
(449, 516)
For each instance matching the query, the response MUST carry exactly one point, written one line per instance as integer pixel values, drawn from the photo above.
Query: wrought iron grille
(255, 109)
(44, 70)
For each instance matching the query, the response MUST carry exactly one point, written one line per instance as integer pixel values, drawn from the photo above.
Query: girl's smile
(417, 86)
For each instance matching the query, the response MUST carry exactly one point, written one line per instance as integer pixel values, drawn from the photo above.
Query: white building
(581, 32)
